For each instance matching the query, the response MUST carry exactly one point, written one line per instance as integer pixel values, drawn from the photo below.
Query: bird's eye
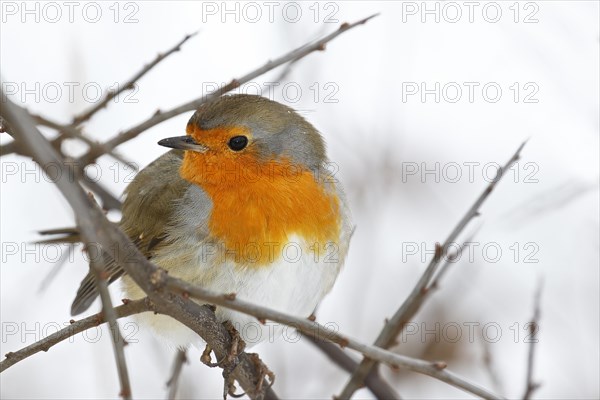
(237, 143)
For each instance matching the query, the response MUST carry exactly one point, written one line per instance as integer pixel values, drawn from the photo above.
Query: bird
(243, 203)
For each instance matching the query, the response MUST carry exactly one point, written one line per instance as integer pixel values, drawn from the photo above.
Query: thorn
(71, 321)
(158, 277)
(321, 47)
(9, 354)
(343, 26)
(230, 296)
(439, 365)
(312, 318)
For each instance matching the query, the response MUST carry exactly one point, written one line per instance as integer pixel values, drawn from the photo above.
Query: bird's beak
(183, 143)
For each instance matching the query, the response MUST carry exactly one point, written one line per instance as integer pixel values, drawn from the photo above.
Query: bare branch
(111, 317)
(393, 327)
(159, 116)
(10, 148)
(74, 132)
(125, 310)
(374, 382)
(109, 201)
(436, 369)
(534, 325)
(86, 115)
(173, 382)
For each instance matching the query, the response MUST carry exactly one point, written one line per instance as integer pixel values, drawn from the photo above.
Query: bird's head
(239, 138)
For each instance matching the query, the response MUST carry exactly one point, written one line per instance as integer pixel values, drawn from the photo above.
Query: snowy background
(365, 94)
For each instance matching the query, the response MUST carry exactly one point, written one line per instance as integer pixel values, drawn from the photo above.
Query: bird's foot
(237, 346)
(263, 372)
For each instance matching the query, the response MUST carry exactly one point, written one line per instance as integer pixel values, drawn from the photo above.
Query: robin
(243, 204)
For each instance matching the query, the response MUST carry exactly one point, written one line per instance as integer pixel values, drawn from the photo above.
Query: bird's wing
(147, 211)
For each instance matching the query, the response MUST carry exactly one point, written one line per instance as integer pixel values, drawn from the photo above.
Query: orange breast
(259, 205)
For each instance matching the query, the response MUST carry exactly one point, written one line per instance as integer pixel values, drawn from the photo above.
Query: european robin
(243, 204)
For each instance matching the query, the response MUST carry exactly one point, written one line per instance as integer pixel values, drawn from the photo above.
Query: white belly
(295, 283)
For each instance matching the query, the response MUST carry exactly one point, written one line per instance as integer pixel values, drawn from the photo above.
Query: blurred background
(417, 107)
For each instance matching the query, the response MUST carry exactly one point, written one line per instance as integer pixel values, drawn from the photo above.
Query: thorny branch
(125, 310)
(409, 307)
(173, 382)
(436, 369)
(111, 317)
(374, 382)
(534, 325)
(130, 84)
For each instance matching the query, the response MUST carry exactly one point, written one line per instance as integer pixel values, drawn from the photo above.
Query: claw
(206, 359)
(263, 372)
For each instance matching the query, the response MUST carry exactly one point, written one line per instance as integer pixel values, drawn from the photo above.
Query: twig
(159, 116)
(74, 133)
(125, 310)
(86, 115)
(443, 270)
(393, 327)
(115, 332)
(374, 382)
(488, 363)
(282, 75)
(109, 201)
(173, 382)
(531, 385)
(434, 369)
(11, 148)
(56, 267)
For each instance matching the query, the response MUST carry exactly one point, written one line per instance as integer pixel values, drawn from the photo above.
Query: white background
(374, 131)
